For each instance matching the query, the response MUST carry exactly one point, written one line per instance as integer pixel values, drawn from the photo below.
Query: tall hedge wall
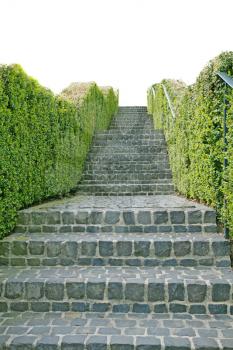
(195, 135)
(44, 138)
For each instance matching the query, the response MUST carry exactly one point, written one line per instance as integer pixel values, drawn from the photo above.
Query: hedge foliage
(195, 135)
(44, 138)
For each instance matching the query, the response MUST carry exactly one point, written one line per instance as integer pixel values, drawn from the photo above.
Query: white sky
(129, 44)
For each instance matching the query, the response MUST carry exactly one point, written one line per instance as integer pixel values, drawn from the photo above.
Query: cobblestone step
(142, 161)
(126, 166)
(108, 180)
(140, 289)
(145, 214)
(119, 176)
(92, 331)
(129, 189)
(104, 249)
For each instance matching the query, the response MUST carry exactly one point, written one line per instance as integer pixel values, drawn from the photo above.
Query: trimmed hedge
(44, 138)
(195, 136)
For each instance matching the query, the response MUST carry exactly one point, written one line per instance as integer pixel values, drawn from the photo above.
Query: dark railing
(228, 82)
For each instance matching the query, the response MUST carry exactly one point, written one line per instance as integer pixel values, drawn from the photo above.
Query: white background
(129, 44)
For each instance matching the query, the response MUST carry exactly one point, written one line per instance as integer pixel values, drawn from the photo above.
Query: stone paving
(69, 331)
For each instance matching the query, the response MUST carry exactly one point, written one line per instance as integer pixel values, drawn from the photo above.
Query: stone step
(159, 159)
(119, 214)
(125, 166)
(129, 176)
(104, 249)
(129, 188)
(115, 331)
(113, 132)
(127, 149)
(110, 181)
(206, 290)
(137, 142)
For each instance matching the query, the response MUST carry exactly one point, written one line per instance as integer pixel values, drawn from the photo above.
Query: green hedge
(195, 135)
(44, 138)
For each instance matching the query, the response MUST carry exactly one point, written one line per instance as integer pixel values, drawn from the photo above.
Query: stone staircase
(119, 266)
(129, 159)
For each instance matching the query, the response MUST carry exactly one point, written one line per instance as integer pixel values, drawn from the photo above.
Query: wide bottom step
(102, 331)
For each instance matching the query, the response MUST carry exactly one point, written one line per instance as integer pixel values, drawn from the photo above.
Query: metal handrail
(169, 101)
(228, 81)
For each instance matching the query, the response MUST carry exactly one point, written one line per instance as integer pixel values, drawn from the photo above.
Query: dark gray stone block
(19, 306)
(62, 307)
(148, 343)
(36, 247)
(163, 249)
(14, 290)
(69, 249)
(141, 308)
(124, 248)
(42, 306)
(221, 248)
(129, 218)
(106, 248)
(88, 248)
(177, 308)
(134, 291)
(160, 217)
(182, 248)
(177, 217)
(96, 217)
(221, 291)
(53, 218)
(156, 292)
(210, 217)
(121, 343)
(24, 342)
(196, 292)
(96, 342)
(19, 248)
(122, 308)
(47, 343)
(176, 291)
(73, 342)
(54, 291)
(144, 217)
(53, 249)
(217, 308)
(195, 217)
(115, 290)
(142, 248)
(95, 290)
(174, 343)
(101, 307)
(112, 217)
(68, 218)
(34, 290)
(82, 217)
(197, 309)
(75, 290)
(160, 308)
(201, 248)
(204, 343)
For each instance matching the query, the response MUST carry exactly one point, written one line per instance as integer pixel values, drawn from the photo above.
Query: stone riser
(102, 295)
(114, 178)
(118, 217)
(127, 188)
(109, 180)
(127, 141)
(100, 175)
(101, 251)
(157, 160)
(126, 167)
